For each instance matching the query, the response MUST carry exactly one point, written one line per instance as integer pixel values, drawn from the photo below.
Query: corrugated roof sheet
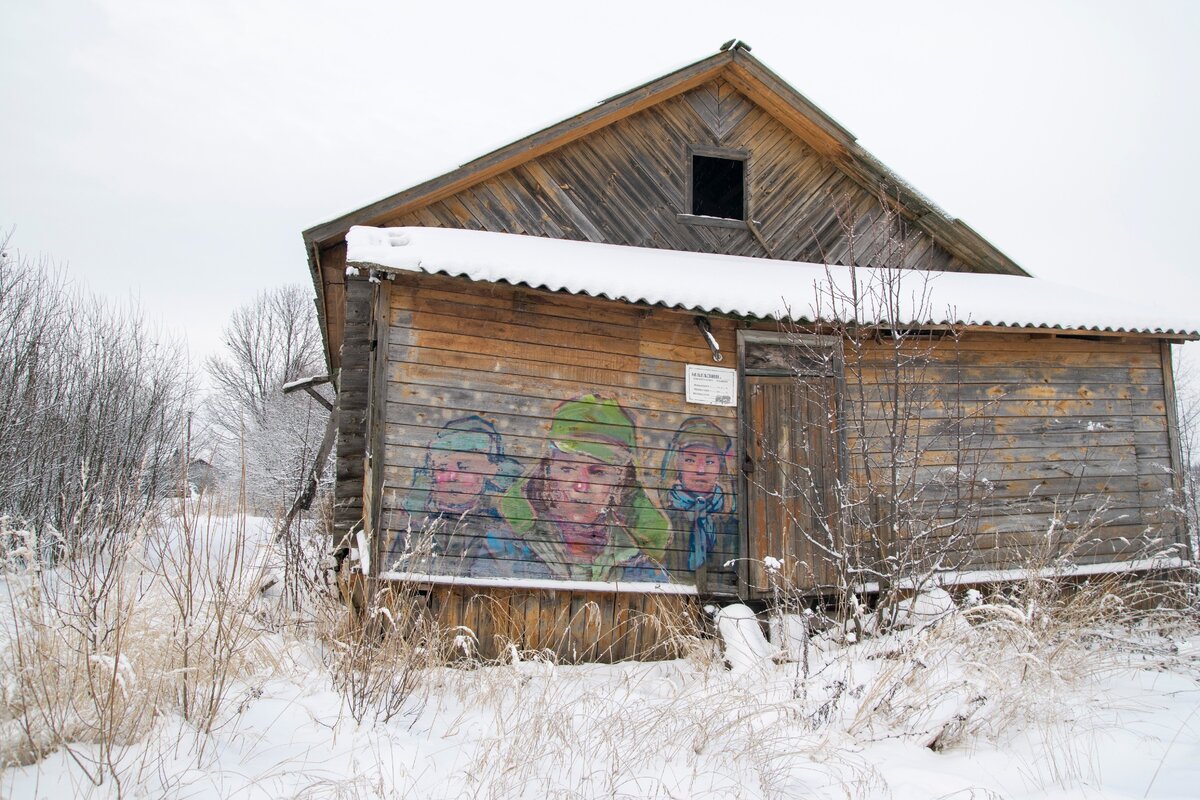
(758, 287)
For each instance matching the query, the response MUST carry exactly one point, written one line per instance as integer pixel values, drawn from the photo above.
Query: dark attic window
(718, 187)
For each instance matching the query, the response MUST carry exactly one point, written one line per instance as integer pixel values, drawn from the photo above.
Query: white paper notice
(711, 386)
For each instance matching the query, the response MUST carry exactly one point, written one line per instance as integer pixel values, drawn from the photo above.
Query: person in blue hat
(453, 497)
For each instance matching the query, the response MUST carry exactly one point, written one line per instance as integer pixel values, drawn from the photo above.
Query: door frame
(745, 435)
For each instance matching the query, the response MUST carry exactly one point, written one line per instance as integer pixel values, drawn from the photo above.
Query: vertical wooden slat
(592, 627)
(757, 523)
(1179, 532)
(470, 615)
(373, 487)
(533, 614)
(499, 609)
(624, 630)
(606, 635)
(558, 632)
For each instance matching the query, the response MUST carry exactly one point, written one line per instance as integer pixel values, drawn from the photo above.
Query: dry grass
(122, 631)
(168, 622)
(377, 657)
(1018, 664)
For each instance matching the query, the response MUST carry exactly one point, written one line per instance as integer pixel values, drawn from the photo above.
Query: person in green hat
(581, 513)
(462, 475)
(694, 470)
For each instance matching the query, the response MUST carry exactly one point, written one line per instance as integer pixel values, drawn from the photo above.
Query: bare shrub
(377, 657)
(903, 503)
(140, 624)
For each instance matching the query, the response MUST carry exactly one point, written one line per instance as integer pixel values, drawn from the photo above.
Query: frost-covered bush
(92, 407)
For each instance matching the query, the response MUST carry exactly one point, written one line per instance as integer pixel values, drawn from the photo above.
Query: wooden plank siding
(1011, 447)
(510, 357)
(1063, 440)
(625, 184)
(352, 389)
(573, 626)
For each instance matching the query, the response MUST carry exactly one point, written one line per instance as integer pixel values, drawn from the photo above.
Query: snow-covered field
(996, 700)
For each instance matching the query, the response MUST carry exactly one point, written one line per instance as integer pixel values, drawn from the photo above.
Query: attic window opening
(718, 187)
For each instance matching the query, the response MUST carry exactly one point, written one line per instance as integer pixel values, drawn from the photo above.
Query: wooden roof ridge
(749, 76)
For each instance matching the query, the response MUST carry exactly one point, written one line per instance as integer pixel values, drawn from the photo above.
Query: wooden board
(626, 184)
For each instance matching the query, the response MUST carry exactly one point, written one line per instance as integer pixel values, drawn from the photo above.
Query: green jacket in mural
(530, 545)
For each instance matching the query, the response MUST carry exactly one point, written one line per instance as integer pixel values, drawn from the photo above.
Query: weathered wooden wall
(1009, 448)
(1062, 427)
(508, 359)
(574, 626)
(352, 393)
(1025, 446)
(626, 184)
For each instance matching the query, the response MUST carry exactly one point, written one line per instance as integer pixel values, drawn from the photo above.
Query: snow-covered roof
(758, 287)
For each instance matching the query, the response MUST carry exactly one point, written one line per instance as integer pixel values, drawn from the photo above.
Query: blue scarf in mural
(703, 537)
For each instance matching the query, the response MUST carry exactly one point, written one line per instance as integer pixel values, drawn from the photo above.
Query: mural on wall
(580, 511)
(463, 472)
(696, 476)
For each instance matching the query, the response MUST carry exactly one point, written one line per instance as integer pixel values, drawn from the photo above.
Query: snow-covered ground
(993, 701)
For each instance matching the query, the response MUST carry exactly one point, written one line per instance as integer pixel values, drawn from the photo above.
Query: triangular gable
(720, 91)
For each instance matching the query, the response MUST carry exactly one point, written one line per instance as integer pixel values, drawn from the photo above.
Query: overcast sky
(174, 151)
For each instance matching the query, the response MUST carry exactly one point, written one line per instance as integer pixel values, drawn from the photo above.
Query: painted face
(580, 488)
(458, 479)
(699, 469)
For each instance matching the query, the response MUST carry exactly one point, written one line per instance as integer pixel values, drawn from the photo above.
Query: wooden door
(790, 464)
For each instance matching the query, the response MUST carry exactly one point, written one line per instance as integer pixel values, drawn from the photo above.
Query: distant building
(199, 476)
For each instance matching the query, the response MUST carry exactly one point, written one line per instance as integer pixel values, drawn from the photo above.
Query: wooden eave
(749, 76)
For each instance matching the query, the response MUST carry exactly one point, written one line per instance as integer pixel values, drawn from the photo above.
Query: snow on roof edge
(755, 287)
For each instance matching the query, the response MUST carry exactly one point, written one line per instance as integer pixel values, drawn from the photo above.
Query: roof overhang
(760, 288)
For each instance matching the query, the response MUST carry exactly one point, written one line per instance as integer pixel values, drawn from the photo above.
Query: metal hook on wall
(706, 330)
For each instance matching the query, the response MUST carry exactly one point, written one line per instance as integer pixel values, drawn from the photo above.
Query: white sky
(174, 151)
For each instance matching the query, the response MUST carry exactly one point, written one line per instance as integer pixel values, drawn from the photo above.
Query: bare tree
(902, 503)
(269, 342)
(92, 406)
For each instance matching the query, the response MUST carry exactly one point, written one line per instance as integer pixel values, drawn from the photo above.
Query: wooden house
(695, 342)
